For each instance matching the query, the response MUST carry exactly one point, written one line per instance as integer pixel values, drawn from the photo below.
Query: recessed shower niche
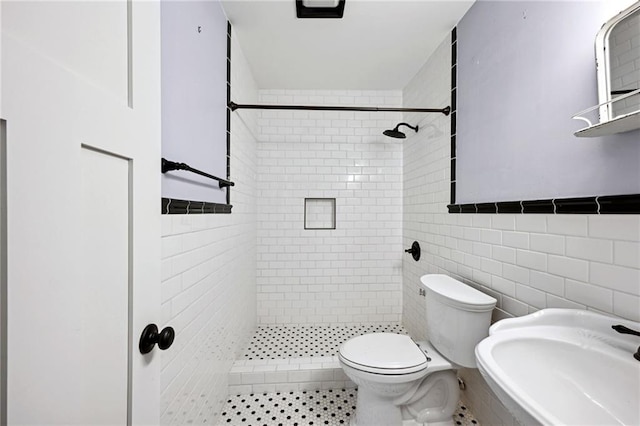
(319, 213)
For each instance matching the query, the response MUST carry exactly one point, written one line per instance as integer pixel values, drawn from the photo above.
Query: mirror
(618, 65)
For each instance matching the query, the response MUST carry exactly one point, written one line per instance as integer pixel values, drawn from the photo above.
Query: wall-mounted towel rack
(168, 166)
(234, 106)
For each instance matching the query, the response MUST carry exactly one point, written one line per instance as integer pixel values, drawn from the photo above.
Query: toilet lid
(384, 353)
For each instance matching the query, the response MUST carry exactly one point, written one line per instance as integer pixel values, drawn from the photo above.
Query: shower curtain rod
(234, 106)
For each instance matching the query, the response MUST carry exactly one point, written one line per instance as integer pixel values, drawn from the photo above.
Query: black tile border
(228, 110)
(585, 205)
(509, 207)
(454, 104)
(174, 206)
(604, 204)
(619, 204)
(538, 206)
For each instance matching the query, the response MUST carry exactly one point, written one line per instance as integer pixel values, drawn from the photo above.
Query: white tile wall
(350, 274)
(528, 262)
(209, 281)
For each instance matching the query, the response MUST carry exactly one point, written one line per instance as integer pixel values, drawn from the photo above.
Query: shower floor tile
(289, 341)
(321, 407)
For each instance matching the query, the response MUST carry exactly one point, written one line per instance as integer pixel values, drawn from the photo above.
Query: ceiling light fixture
(320, 8)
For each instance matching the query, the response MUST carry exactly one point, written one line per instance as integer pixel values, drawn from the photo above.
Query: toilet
(406, 383)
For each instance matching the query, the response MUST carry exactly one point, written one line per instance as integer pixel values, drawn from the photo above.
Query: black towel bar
(168, 166)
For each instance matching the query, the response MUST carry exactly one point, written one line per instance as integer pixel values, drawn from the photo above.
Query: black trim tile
(453, 123)
(538, 206)
(454, 53)
(582, 205)
(454, 34)
(453, 169)
(174, 206)
(619, 204)
(454, 102)
(453, 146)
(453, 192)
(468, 208)
(509, 207)
(196, 207)
(454, 76)
(229, 32)
(606, 204)
(177, 207)
(486, 208)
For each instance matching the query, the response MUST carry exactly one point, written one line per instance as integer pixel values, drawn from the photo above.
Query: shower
(395, 133)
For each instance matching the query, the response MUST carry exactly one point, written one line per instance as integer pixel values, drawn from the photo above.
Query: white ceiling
(377, 45)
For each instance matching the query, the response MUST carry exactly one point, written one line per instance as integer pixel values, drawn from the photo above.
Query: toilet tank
(458, 317)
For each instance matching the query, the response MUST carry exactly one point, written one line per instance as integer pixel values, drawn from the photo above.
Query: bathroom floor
(307, 340)
(321, 407)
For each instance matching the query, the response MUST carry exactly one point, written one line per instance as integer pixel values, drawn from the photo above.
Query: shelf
(624, 123)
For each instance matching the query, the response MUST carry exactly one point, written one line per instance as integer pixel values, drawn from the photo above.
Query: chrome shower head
(395, 133)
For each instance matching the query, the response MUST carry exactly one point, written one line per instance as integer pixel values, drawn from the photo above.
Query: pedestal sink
(563, 367)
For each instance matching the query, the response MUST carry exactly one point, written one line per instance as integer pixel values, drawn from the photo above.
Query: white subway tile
(562, 303)
(516, 274)
(567, 267)
(547, 283)
(547, 243)
(626, 306)
(615, 277)
(504, 254)
(590, 295)
(531, 260)
(531, 296)
(506, 287)
(615, 227)
(567, 224)
(506, 222)
(531, 223)
(515, 239)
(627, 254)
(590, 249)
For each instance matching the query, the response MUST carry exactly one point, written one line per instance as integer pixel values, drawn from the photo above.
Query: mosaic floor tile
(279, 342)
(464, 417)
(323, 407)
(331, 407)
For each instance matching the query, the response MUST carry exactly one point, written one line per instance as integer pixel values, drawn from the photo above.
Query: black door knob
(414, 251)
(150, 337)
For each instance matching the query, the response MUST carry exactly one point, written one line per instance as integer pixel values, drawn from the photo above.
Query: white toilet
(401, 382)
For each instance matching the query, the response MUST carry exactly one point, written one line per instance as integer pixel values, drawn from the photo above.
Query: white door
(81, 104)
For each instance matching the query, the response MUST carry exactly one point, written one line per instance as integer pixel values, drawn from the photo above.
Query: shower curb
(286, 375)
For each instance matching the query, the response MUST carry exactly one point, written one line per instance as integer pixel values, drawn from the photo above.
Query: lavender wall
(194, 87)
(524, 68)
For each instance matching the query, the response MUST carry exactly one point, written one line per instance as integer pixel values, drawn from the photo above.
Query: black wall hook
(414, 250)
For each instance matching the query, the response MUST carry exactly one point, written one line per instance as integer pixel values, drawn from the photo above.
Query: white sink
(563, 367)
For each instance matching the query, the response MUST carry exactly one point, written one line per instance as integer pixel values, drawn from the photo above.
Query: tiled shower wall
(209, 279)
(350, 274)
(527, 262)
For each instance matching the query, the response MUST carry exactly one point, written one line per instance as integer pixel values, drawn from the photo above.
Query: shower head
(395, 133)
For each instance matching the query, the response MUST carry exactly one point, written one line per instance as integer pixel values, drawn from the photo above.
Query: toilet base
(426, 397)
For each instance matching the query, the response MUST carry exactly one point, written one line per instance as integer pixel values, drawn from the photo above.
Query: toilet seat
(383, 353)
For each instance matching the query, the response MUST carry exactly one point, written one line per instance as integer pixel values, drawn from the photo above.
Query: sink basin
(563, 367)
